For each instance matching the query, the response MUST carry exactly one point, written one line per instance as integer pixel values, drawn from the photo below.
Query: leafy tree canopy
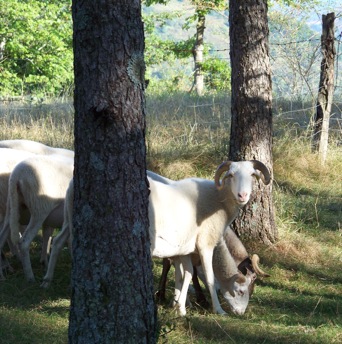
(35, 47)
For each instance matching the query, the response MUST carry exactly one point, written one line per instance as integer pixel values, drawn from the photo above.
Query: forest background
(36, 48)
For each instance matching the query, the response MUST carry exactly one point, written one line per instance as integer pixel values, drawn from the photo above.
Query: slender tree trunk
(112, 282)
(326, 88)
(251, 127)
(198, 55)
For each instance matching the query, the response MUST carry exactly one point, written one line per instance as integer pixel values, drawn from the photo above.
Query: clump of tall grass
(187, 135)
(308, 202)
(295, 163)
(51, 124)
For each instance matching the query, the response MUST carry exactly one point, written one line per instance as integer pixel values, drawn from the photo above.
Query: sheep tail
(14, 216)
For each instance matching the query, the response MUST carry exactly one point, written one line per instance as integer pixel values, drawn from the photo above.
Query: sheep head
(242, 290)
(239, 176)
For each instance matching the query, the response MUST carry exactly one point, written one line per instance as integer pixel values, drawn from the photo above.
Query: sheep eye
(241, 293)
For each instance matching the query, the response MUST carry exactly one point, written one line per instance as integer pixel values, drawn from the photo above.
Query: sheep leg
(58, 243)
(4, 235)
(160, 294)
(179, 276)
(24, 246)
(14, 248)
(183, 276)
(47, 236)
(200, 297)
(207, 263)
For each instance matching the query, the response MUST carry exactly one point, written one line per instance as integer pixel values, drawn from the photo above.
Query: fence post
(326, 88)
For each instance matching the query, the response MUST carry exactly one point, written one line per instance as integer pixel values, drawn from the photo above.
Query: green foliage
(217, 74)
(303, 4)
(37, 55)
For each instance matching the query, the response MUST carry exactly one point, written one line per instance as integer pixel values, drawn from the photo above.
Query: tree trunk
(112, 283)
(198, 54)
(326, 88)
(251, 127)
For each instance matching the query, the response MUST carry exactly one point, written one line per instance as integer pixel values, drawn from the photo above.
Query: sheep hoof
(181, 311)
(31, 280)
(45, 284)
(220, 311)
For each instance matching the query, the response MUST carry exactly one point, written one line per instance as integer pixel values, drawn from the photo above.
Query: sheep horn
(265, 176)
(222, 168)
(257, 269)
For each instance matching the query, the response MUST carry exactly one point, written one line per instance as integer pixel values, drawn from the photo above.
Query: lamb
(35, 147)
(191, 215)
(37, 188)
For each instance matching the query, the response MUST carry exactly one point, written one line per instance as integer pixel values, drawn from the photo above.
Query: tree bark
(198, 54)
(251, 127)
(326, 88)
(112, 283)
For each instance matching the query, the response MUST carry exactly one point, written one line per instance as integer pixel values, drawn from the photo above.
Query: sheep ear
(231, 282)
(252, 275)
(222, 168)
(257, 175)
(265, 174)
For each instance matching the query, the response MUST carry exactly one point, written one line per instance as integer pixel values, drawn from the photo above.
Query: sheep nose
(239, 311)
(243, 196)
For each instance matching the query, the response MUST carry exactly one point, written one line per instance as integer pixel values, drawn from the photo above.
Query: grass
(301, 301)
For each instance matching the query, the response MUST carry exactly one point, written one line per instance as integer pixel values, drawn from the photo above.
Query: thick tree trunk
(251, 127)
(198, 55)
(112, 282)
(326, 88)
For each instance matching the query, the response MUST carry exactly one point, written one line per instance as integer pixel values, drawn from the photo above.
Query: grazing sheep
(230, 247)
(190, 215)
(36, 193)
(35, 147)
(229, 259)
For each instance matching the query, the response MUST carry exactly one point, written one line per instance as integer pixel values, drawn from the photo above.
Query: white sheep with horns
(230, 257)
(36, 193)
(191, 215)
